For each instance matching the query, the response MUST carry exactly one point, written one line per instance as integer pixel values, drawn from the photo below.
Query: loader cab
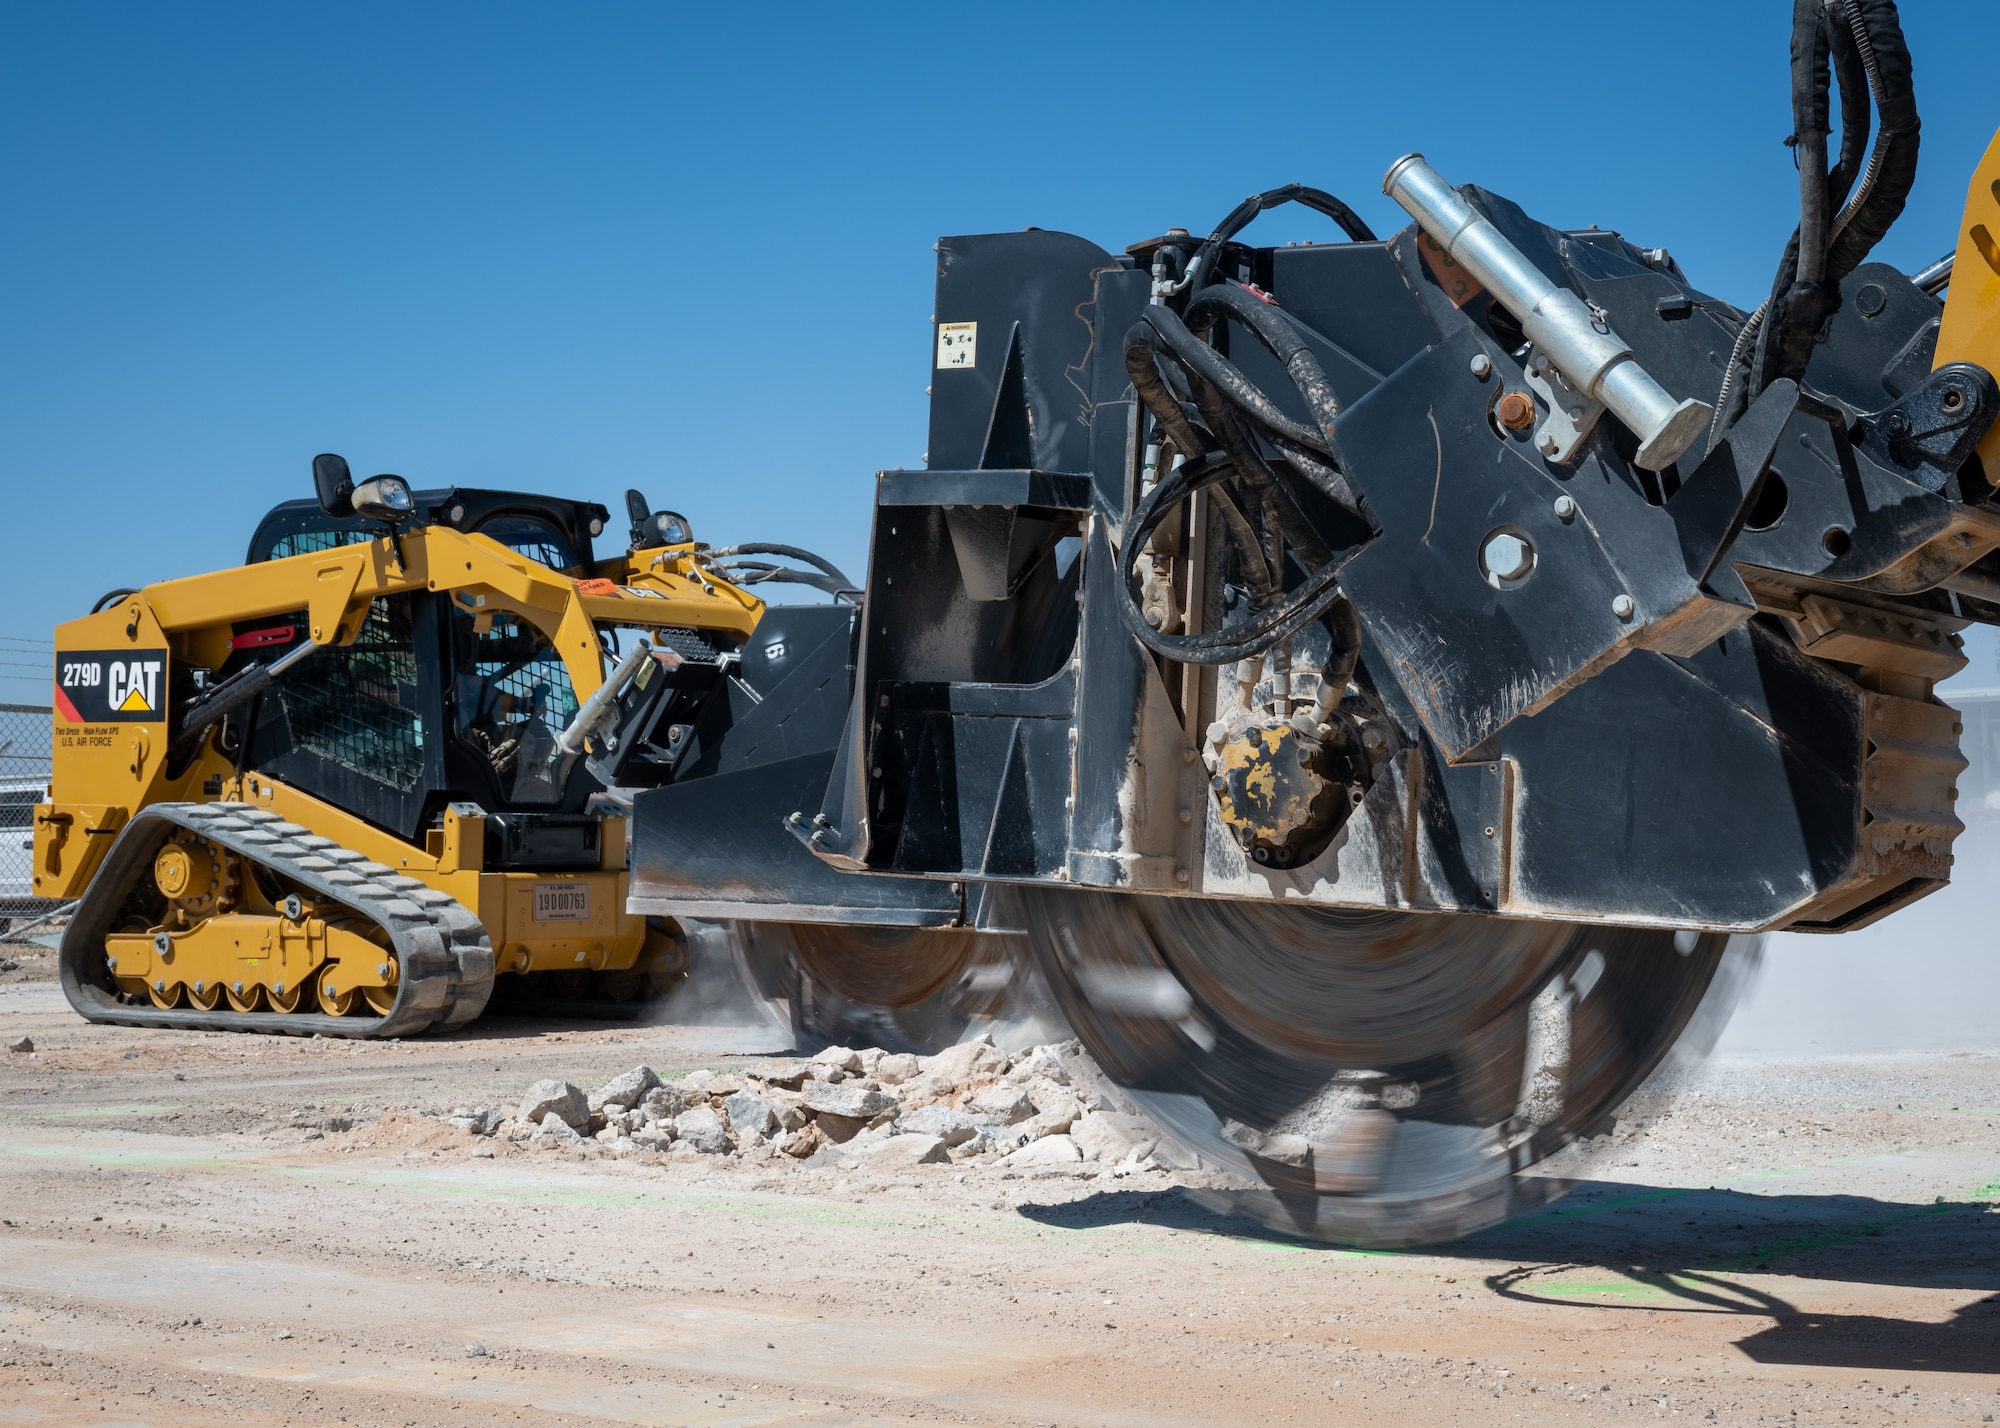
(547, 529)
(432, 703)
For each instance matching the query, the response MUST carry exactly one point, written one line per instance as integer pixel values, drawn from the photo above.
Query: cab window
(538, 540)
(513, 696)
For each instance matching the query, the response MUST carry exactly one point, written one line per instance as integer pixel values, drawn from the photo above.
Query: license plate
(562, 902)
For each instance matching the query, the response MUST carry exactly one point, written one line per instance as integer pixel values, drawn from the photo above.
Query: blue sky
(580, 248)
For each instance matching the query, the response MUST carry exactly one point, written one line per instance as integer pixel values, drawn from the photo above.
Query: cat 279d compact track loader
(341, 787)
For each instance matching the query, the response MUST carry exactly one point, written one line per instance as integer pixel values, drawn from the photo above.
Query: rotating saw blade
(903, 989)
(1382, 1075)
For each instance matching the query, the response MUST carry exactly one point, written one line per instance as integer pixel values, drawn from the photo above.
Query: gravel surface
(293, 1231)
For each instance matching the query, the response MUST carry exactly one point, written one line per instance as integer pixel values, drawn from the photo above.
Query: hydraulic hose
(825, 576)
(1221, 430)
(1239, 218)
(1885, 186)
(1859, 44)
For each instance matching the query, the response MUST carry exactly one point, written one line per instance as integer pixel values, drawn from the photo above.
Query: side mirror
(334, 483)
(637, 509)
(383, 498)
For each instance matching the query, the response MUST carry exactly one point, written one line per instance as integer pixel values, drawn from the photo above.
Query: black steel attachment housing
(1577, 689)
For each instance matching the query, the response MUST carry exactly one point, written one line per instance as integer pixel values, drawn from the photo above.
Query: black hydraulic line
(1801, 296)
(1892, 166)
(1278, 334)
(1212, 367)
(1240, 216)
(1851, 80)
(1222, 445)
(789, 552)
(755, 572)
(112, 597)
(1344, 623)
(1862, 42)
(1281, 506)
(1328, 479)
(1276, 619)
(1142, 365)
(1276, 331)
(825, 576)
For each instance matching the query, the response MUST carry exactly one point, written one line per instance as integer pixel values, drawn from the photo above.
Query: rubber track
(442, 950)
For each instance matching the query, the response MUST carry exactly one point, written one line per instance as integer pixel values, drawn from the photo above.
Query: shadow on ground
(1656, 1249)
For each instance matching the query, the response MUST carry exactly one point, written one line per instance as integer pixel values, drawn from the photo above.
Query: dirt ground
(202, 1227)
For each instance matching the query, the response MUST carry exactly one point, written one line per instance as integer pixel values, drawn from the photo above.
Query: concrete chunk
(952, 1127)
(1000, 1105)
(1055, 1152)
(968, 1061)
(841, 1058)
(856, 1102)
(627, 1090)
(896, 1151)
(1111, 1137)
(702, 1129)
(750, 1114)
(663, 1102)
(554, 1133)
(559, 1098)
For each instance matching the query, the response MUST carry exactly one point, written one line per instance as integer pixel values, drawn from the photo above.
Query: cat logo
(111, 686)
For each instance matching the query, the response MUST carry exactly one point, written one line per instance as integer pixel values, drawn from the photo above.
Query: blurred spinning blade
(903, 989)
(1384, 1075)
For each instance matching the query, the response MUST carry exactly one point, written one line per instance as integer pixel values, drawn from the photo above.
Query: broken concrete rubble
(555, 1132)
(663, 1102)
(626, 1090)
(1044, 1111)
(952, 1127)
(702, 1129)
(1002, 1104)
(557, 1098)
(1055, 1152)
(852, 1100)
(749, 1113)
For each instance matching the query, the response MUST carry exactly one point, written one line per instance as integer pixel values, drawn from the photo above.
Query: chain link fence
(25, 735)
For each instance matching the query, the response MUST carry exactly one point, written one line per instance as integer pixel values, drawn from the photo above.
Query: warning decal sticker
(111, 686)
(958, 344)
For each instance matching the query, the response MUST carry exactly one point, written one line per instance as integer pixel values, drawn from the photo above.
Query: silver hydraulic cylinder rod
(598, 709)
(1594, 359)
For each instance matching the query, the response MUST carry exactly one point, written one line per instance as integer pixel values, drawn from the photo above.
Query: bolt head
(1622, 607)
(1516, 411)
(1507, 557)
(1565, 508)
(1482, 366)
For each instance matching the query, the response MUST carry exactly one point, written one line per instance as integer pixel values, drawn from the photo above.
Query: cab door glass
(512, 696)
(538, 540)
